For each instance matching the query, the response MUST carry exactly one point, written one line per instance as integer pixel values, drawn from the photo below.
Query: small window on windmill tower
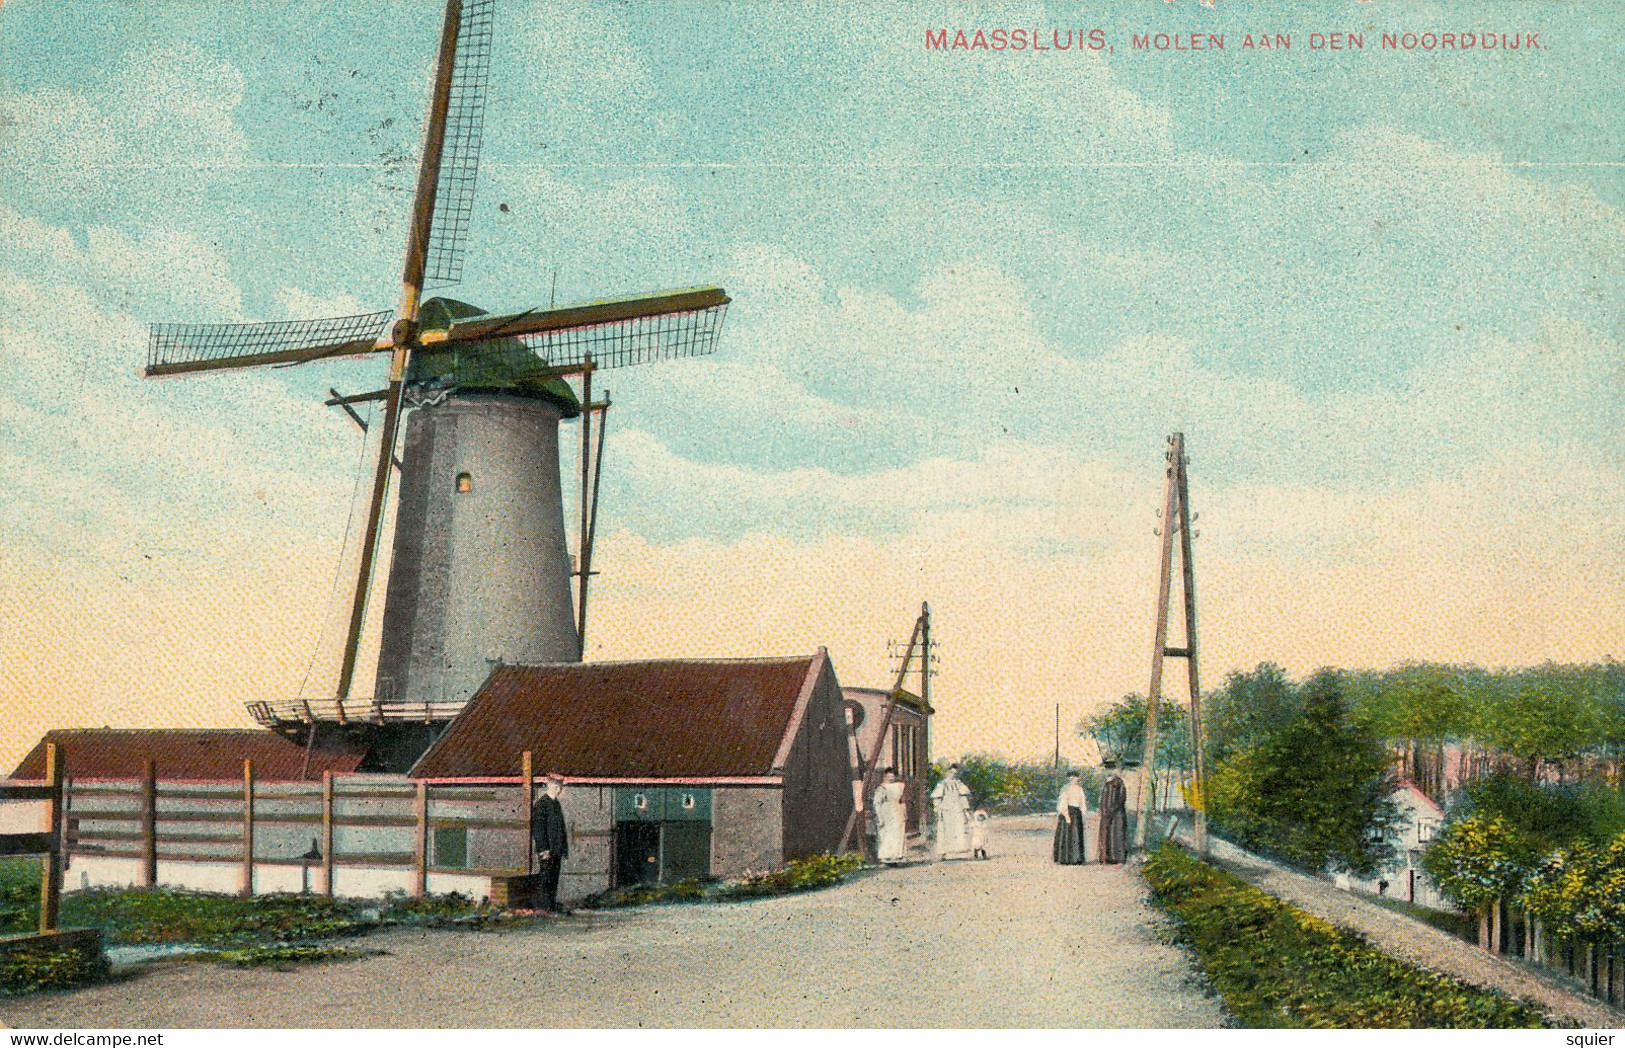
(465, 483)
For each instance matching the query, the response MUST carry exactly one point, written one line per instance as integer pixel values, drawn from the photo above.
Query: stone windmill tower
(479, 573)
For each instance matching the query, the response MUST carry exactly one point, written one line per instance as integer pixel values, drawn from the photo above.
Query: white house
(1403, 878)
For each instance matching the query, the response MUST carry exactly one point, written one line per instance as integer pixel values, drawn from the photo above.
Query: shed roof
(877, 697)
(657, 719)
(119, 753)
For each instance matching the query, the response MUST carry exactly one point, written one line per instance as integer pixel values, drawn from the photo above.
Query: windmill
(479, 572)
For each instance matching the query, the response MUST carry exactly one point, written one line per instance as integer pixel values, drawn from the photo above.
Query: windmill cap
(503, 365)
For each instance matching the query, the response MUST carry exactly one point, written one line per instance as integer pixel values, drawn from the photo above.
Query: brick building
(675, 769)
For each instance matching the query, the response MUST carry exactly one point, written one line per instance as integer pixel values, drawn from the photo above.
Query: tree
(1579, 892)
(1246, 709)
(1549, 817)
(1003, 785)
(1120, 731)
(1545, 715)
(1417, 707)
(1479, 860)
(1313, 789)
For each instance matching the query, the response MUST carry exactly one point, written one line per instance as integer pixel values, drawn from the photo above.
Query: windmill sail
(460, 159)
(178, 349)
(616, 333)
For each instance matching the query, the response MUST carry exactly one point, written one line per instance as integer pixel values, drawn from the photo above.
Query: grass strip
(1278, 967)
(794, 877)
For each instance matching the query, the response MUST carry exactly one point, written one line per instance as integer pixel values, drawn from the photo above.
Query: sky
(1379, 291)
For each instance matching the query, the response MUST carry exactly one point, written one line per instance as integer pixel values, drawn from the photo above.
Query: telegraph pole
(1176, 517)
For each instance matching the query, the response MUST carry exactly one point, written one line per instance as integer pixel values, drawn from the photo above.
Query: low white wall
(368, 882)
(472, 885)
(90, 871)
(200, 876)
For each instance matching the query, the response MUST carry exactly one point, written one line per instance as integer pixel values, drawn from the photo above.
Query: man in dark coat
(1112, 843)
(551, 839)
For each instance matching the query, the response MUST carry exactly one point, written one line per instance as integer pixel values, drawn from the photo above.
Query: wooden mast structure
(1176, 517)
(869, 768)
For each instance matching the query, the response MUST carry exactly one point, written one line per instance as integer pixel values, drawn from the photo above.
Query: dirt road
(1011, 941)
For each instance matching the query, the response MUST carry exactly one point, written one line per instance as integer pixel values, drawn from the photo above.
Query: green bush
(1277, 967)
(798, 875)
(1009, 787)
(285, 956)
(34, 969)
(131, 916)
(648, 894)
(19, 895)
(449, 908)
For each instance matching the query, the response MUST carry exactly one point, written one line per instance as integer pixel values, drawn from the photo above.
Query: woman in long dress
(1070, 808)
(1113, 843)
(890, 818)
(951, 799)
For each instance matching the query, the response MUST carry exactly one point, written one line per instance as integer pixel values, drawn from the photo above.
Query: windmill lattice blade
(641, 340)
(460, 160)
(615, 333)
(175, 349)
(587, 314)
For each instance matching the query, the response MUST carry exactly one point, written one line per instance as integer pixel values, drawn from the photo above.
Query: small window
(451, 846)
(465, 483)
(640, 802)
(1425, 830)
(688, 801)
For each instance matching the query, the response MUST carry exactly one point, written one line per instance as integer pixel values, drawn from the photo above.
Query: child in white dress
(978, 834)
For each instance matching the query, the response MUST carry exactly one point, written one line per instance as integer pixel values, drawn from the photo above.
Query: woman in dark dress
(1070, 807)
(1112, 845)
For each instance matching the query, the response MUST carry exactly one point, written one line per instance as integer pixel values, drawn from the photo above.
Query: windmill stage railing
(286, 712)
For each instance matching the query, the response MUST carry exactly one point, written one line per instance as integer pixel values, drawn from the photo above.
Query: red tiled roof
(113, 753)
(662, 719)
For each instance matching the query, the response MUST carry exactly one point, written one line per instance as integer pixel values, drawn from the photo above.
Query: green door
(685, 851)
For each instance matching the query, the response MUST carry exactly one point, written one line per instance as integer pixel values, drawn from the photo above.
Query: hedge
(1277, 967)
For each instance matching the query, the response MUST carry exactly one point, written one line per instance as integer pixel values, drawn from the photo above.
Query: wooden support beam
(149, 824)
(1148, 761)
(869, 774)
(245, 881)
(527, 799)
(592, 523)
(420, 844)
(1187, 520)
(583, 557)
(51, 865)
(15, 844)
(327, 833)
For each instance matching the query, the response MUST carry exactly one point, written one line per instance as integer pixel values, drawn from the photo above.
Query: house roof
(118, 753)
(878, 696)
(657, 719)
(1420, 799)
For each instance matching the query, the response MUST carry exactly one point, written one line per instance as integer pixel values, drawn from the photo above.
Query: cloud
(164, 118)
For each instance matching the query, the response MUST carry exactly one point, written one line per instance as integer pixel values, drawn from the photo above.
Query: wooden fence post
(51, 866)
(420, 878)
(149, 824)
(246, 885)
(527, 778)
(327, 833)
